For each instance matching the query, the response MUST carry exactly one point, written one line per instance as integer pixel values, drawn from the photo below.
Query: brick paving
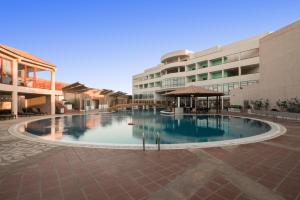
(266, 170)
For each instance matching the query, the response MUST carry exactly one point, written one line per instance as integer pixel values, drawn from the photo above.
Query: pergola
(105, 91)
(76, 88)
(117, 94)
(197, 91)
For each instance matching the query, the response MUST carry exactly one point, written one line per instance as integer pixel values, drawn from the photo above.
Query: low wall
(276, 114)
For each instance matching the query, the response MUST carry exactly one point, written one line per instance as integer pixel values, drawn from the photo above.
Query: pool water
(114, 128)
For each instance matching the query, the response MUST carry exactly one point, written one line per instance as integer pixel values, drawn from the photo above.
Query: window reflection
(6, 71)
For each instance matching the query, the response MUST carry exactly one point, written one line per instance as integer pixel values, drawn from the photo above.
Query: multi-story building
(280, 70)
(26, 81)
(220, 68)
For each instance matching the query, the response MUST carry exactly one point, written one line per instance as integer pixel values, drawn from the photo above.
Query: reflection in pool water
(114, 128)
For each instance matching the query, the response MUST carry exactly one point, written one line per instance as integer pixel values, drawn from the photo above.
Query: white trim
(275, 131)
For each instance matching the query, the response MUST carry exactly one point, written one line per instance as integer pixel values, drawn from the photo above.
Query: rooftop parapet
(176, 56)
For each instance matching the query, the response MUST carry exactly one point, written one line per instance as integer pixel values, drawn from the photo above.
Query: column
(14, 95)
(52, 98)
(219, 104)
(53, 80)
(222, 103)
(207, 102)
(52, 101)
(14, 104)
(80, 101)
(15, 73)
(178, 102)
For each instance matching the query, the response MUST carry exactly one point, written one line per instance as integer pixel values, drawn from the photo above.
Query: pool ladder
(157, 141)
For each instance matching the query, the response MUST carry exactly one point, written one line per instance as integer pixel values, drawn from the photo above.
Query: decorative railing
(135, 103)
(40, 83)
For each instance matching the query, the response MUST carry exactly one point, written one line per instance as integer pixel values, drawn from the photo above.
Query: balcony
(35, 77)
(203, 64)
(202, 77)
(214, 62)
(191, 67)
(216, 75)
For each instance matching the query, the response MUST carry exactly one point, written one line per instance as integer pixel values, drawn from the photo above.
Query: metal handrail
(157, 141)
(143, 141)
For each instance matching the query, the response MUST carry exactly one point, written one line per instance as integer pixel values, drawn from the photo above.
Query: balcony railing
(40, 84)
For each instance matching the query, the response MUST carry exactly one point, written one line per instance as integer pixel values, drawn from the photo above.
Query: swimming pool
(114, 129)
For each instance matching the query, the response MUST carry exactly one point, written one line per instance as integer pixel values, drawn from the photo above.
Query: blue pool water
(114, 128)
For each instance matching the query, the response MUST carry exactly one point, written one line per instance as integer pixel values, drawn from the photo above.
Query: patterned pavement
(266, 170)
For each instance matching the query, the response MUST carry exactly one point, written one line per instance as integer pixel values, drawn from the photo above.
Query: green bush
(289, 105)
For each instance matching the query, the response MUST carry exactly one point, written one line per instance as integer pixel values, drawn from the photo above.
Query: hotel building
(26, 81)
(220, 68)
(279, 69)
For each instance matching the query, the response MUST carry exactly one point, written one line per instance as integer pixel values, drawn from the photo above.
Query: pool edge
(275, 131)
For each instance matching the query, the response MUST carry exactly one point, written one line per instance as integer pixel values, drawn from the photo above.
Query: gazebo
(195, 91)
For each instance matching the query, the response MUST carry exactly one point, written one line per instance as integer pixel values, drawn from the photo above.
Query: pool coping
(275, 131)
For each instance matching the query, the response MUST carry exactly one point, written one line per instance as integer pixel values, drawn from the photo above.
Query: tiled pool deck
(265, 170)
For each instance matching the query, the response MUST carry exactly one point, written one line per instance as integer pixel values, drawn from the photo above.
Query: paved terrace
(266, 170)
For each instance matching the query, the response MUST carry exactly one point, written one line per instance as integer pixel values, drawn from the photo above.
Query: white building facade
(220, 68)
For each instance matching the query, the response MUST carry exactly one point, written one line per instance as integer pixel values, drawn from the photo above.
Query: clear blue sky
(103, 43)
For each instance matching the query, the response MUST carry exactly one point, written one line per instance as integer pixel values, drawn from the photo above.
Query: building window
(173, 82)
(6, 75)
(202, 77)
(225, 88)
(191, 79)
(144, 96)
(249, 69)
(231, 72)
(191, 67)
(203, 64)
(217, 61)
(216, 75)
(220, 88)
(172, 70)
(158, 84)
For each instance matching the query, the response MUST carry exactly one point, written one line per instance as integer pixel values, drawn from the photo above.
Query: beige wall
(279, 68)
(5, 105)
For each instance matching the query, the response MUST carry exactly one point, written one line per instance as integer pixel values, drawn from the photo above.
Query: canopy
(105, 91)
(76, 88)
(195, 91)
(117, 94)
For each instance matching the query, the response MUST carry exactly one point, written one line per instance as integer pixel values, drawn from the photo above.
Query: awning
(76, 88)
(195, 91)
(117, 94)
(105, 91)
